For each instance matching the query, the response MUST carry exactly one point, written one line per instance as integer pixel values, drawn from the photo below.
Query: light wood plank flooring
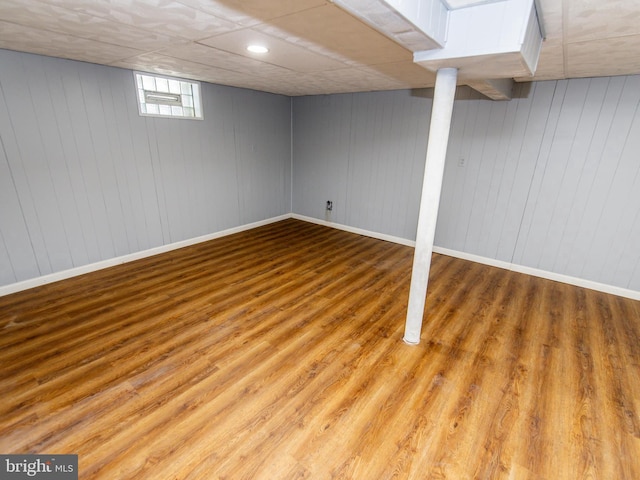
(277, 353)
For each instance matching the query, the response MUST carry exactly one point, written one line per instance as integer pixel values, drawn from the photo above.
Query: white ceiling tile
(596, 19)
(604, 57)
(35, 40)
(332, 29)
(265, 10)
(316, 46)
(50, 17)
(168, 17)
(551, 18)
(158, 63)
(282, 53)
(221, 59)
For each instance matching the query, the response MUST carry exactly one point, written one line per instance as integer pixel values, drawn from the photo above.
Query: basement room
(320, 239)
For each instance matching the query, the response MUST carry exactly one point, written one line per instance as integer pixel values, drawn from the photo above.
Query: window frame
(196, 95)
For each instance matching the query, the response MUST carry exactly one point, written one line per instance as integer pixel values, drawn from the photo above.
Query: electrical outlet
(329, 205)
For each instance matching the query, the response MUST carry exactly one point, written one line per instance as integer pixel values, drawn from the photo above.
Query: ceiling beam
(495, 89)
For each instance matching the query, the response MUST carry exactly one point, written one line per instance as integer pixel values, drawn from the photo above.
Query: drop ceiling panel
(597, 19)
(282, 53)
(264, 10)
(337, 31)
(550, 14)
(220, 59)
(229, 10)
(68, 22)
(167, 16)
(605, 57)
(158, 63)
(318, 47)
(35, 40)
(177, 67)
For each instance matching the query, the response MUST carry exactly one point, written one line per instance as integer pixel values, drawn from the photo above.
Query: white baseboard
(558, 277)
(536, 272)
(359, 231)
(74, 272)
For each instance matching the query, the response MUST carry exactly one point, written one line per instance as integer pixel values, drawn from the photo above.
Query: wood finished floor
(277, 354)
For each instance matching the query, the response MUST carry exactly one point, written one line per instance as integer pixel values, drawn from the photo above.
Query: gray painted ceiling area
(315, 46)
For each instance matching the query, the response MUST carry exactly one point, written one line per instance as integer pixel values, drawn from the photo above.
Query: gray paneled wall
(365, 152)
(549, 180)
(84, 178)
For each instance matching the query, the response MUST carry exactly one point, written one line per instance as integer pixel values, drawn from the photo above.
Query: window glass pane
(185, 88)
(177, 111)
(165, 109)
(189, 112)
(153, 109)
(174, 86)
(162, 85)
(187, 100)
(148, 82)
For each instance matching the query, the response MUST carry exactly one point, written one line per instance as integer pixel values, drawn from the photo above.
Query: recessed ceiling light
(257, 49)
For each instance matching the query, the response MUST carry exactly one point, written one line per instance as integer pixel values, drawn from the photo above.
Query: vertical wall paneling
(260, 137)
(499, 188)
(84, 178)
(528, 144)
(53, 190)
(548, 180)
(79, 133)
(31, 172)
(365, 152)
(562, 115)
(321, 154)
(221, 164)
(587, 98)
(17, 258)
(623, 199)
(66, 166)
(589, 199)
(566, 196)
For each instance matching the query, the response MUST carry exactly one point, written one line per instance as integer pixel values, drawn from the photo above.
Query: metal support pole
(441, 112)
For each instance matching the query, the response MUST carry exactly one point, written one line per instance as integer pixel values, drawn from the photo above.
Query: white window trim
(174, 99)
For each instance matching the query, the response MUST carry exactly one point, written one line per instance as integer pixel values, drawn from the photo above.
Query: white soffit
(414, 24)
(455, 4)
(491, 40)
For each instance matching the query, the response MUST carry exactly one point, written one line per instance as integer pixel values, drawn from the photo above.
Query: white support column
(441, 112)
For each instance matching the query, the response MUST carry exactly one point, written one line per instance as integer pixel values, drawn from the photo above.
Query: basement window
(160, 96)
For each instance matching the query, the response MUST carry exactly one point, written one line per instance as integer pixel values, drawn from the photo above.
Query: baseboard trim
(111, 262)
(536, 272)
(76, 271)
(359, 231)
(558, 277)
